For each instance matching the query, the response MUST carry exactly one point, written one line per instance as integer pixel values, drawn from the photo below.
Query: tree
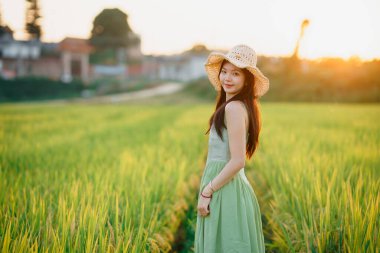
(6, 32)
(1, 16)
(110, 30)
(199, 49)
(32, 26)
(4, 29)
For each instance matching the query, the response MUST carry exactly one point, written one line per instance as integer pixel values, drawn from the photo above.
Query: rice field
(321, 164)
(121, 178)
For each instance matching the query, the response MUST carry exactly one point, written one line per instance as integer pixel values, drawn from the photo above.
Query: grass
(109, 178)
(321, 164)
(121, 178)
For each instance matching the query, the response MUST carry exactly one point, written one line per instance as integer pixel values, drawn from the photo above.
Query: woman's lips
(228, 85)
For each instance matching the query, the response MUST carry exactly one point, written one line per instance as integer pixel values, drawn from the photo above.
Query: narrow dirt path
(164, 89)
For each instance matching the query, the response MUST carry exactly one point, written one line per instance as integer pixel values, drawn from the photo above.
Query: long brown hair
(248, 97)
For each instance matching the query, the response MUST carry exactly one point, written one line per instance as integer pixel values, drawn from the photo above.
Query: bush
(331, 80)
(37, 88)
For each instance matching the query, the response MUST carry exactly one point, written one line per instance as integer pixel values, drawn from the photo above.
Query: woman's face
(232, 79)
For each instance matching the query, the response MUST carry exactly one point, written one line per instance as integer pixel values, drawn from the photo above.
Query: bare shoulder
(236, 110)
(235, 106)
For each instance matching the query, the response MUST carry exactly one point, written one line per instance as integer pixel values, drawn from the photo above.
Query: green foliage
(106, 56)
(202, 89)
(330, 80)
(4, 29)
(110, 29)
(37, 88)
(316, 172)
(32, 26)
(113, 178)
(103, 178)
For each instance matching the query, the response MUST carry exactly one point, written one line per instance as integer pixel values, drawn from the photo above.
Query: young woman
(229, 218)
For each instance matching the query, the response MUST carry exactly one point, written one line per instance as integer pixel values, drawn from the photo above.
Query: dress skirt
(234, 222)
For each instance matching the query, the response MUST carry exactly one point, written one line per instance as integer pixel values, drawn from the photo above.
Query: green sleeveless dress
(234, 222)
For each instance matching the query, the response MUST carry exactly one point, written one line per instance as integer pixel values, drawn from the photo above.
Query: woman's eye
(236, 74)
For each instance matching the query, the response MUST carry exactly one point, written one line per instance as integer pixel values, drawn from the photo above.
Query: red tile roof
(75, 45)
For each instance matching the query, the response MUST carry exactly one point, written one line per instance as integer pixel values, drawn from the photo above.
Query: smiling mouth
(228, 85)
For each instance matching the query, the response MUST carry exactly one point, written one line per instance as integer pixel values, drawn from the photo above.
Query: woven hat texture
(241, 56)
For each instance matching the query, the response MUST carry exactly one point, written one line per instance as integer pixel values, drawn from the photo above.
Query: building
(75, 59)
(70, 60)
(16, 56)
(184, 67)
(66, 60)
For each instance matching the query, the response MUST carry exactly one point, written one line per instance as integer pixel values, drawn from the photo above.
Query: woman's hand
(204, 203)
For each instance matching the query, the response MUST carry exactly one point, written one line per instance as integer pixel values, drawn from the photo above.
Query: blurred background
(318, 51)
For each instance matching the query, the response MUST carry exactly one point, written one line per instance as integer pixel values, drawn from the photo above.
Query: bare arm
(236, 128)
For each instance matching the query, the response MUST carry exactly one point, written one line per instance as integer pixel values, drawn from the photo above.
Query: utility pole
(305, 23)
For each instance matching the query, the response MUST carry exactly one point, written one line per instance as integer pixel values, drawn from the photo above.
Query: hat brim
(213, 65)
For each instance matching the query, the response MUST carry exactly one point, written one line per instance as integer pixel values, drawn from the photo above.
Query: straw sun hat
(241, 56)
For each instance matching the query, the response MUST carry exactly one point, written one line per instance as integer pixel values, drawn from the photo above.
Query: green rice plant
(320, 163)
(119, 178)
(96, 178)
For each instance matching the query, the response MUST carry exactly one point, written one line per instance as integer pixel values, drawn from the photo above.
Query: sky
(338, 28)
